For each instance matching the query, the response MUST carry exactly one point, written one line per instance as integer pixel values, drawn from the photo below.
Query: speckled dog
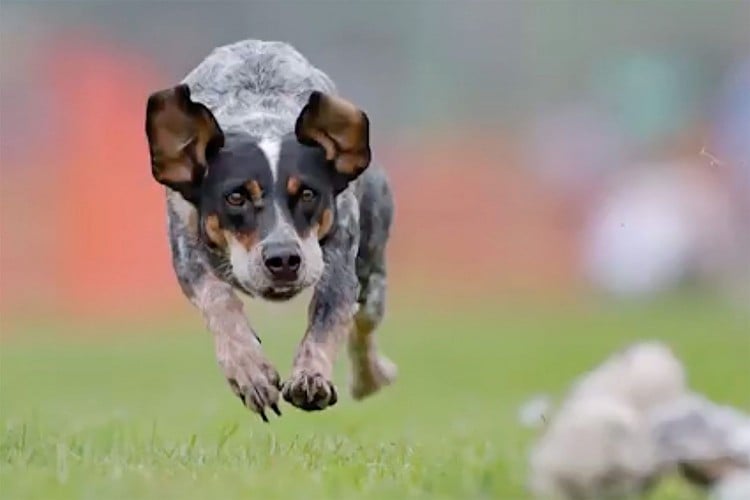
(268, 193)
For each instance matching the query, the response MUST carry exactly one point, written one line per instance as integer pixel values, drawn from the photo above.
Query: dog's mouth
(273, 291)
(280, 293)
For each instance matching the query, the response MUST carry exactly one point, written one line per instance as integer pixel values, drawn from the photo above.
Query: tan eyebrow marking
(293, 185)
(256, 193)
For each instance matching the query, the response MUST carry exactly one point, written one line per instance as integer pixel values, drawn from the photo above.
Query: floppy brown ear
(340, 128)
(181, 135)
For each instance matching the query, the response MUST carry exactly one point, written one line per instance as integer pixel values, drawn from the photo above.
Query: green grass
(148, 415)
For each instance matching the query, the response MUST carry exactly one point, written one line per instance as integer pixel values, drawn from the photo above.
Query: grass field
(148, 415)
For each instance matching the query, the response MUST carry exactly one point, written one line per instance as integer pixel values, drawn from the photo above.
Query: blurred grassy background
(148, 415)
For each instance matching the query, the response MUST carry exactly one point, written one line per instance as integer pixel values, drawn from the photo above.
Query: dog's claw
(256, 397)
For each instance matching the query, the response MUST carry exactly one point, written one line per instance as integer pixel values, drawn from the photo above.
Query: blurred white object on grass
(630, 421)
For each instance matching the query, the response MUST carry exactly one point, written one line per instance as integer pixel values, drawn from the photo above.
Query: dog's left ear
(340, 128)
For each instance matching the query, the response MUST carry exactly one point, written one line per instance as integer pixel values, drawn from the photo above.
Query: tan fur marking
(214, 231)
(247, 240)
(341, 129)
(326, 222)
(293, 185)
(328, 144)
(349, 163)
(256, 193)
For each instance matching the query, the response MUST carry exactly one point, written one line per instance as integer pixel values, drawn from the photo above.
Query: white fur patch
(312, 256)
(240, 259)
(271, 147)
(282, 228)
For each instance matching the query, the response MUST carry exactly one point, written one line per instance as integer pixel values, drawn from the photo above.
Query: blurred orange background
(93, 220)
(83, 223)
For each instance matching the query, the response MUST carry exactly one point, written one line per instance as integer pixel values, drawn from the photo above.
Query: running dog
(270, 191)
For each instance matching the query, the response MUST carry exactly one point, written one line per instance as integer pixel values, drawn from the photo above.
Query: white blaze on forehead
(271, 147)
(283, 230)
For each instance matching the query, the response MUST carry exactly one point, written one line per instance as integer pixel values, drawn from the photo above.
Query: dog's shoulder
(376, 206)
(364, 210)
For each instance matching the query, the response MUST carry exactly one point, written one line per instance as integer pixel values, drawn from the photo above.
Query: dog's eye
(307, 195)
(236, 199)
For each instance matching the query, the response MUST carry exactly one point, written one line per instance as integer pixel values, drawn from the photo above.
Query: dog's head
(264, 204)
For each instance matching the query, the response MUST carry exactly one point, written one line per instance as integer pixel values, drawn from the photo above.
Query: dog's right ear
(182, 134)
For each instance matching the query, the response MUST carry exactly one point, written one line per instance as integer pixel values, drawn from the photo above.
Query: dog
(270, 190)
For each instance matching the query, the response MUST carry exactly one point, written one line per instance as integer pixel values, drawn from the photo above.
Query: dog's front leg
(250, 375)
(330, 318)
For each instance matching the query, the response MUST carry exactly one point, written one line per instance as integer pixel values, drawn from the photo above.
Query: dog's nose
(282, 261)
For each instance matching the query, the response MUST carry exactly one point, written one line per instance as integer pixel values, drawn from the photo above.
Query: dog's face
(264, 204)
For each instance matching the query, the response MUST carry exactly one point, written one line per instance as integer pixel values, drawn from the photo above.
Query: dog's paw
(252, 378)
(309, 391)
(374, 375)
